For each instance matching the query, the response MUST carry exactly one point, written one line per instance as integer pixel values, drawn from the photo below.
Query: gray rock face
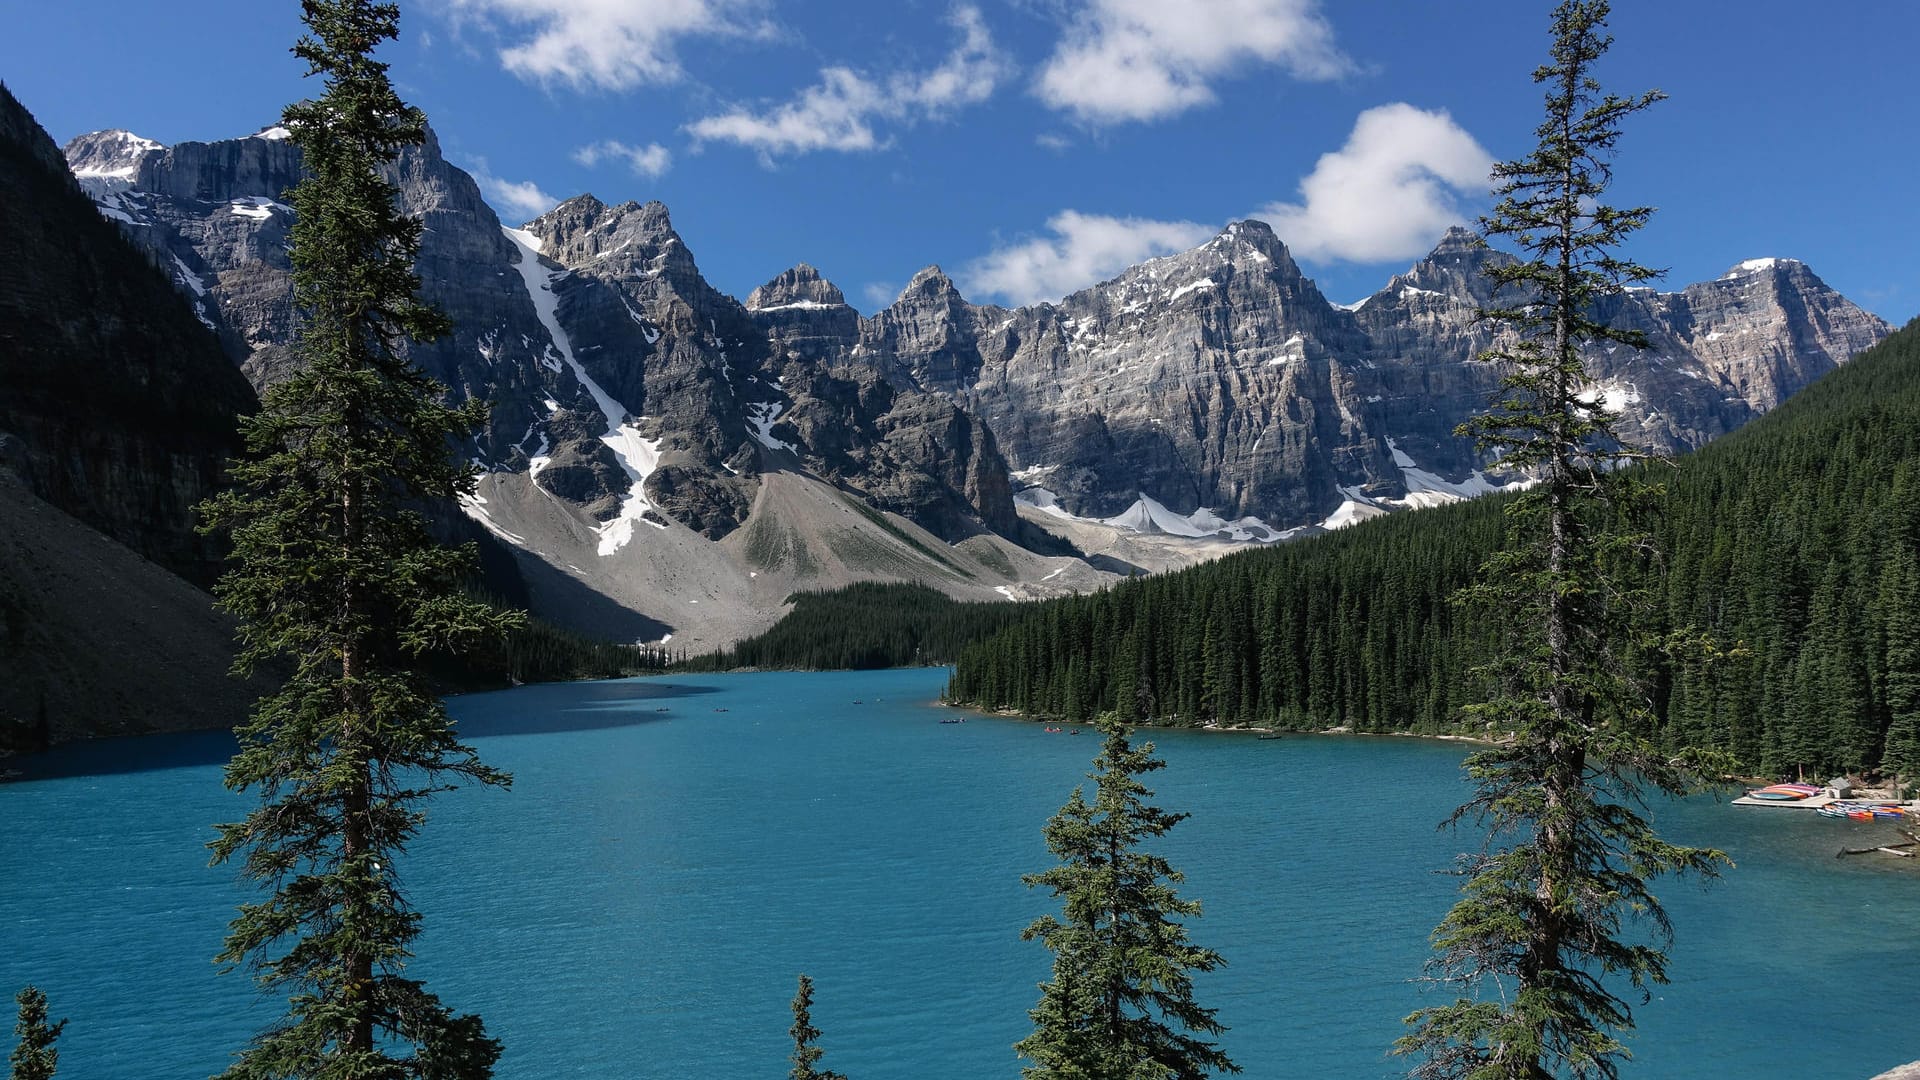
(591, 320)
(800, 287)
(115, 405)
(1220, 378)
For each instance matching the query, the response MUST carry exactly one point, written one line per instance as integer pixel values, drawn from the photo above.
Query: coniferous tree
(1536, 941)
(33, 1056)
(805, 1054)
(336, 575)
(1120, 1003)
(1901, 598)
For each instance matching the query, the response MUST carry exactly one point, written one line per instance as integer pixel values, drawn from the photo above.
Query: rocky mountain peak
(1455, 270)
(112, 153)
(931, 283)
(1767, 267)
(1255, 237)
(631, 240)
(1458, 241)
(800, 287)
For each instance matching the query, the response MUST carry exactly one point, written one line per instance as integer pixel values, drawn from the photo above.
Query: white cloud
(1146, 59)
(1084, 249)
(604, 44)
(514, 200)
(651, 160)
(1388, 193)
(839, 112)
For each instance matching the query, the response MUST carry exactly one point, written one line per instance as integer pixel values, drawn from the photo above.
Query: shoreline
(1226, 729)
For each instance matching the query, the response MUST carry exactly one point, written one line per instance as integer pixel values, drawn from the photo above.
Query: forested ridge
(1793, 545)
(867, 625)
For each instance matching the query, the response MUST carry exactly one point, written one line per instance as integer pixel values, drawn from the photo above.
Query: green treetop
(1120, 1003)
(1536, 941)
(336, 576)
(34, 1057)
(805, 1054)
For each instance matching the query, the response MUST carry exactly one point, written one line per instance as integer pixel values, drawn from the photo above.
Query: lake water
(675, 850)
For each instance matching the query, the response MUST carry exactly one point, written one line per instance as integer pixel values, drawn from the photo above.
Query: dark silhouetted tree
(336, 576)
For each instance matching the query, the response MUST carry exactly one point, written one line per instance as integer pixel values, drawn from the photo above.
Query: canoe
(1784, 792)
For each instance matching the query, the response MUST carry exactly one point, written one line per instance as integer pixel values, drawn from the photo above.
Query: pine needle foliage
(336, 576)
(1120, 1004)
(805, 1054)
(34, 1057)
(1557, 908)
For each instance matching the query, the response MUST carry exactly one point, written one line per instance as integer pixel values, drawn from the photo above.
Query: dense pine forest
(864, 626)
(1792, 546)
(542, 652)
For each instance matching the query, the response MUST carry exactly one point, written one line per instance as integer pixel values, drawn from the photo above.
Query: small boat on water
(1862, 811)
(1784, 792)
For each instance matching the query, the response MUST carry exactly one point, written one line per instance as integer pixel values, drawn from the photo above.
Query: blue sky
(1032, 147)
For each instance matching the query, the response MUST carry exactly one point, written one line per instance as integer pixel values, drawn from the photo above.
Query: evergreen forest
(865, 626)
(1792, 564)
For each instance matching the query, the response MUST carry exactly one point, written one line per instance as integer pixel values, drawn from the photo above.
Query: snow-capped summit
(112, 154)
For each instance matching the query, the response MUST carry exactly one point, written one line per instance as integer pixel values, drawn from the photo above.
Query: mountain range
(668, 462)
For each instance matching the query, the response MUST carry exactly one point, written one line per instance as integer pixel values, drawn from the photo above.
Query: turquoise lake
(675, 851)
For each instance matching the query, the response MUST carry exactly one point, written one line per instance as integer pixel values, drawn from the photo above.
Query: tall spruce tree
(335, 575)
(1538, 940)
(34, 1057)
(1120, 1004)
(805, 1054)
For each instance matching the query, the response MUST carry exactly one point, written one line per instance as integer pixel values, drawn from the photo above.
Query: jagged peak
(114, 152)
(1252, 229)
(1758, 266)
(931, 282)
(583, 204)
(802, 286)
(1458, 240)
(1251, 235)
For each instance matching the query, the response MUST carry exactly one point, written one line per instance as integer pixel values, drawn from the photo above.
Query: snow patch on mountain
(1150, 517)
(761, 416)
(1426, 489)
(1192, 286)
(1355, 509)
(258, 207)
(638, 456)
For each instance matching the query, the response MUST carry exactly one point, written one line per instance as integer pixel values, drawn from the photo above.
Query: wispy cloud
(841, 110)
(651, 160)
(880, 294)
(514, 200)
(1126, 60)
(604, 44)
(1388, 193)
(1083, 249)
